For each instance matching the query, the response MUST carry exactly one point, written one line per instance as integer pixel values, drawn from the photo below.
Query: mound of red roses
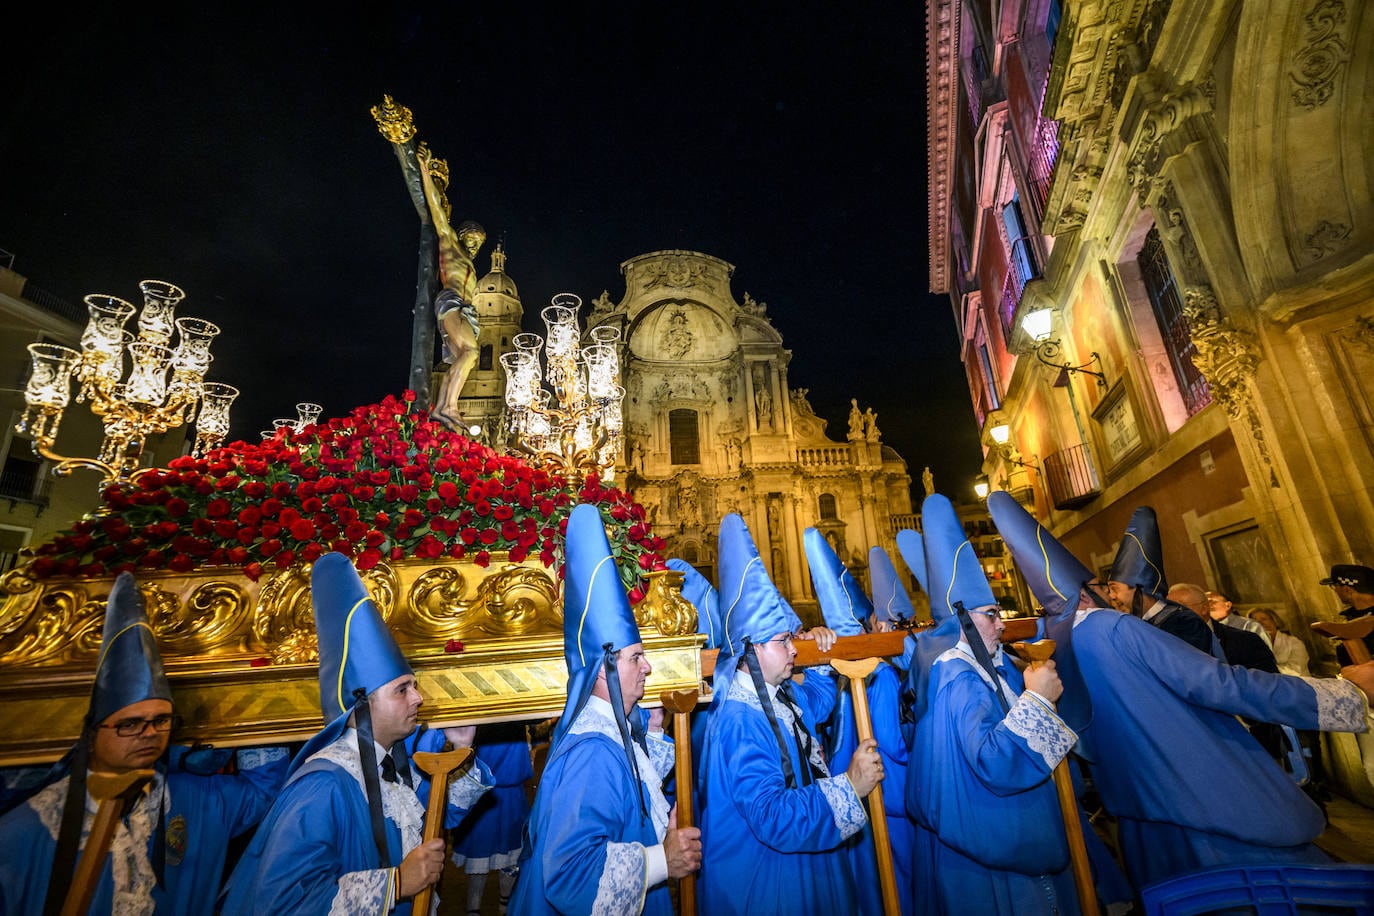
(385, 482)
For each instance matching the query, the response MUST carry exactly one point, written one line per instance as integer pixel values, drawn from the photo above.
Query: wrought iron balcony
(1071, 478)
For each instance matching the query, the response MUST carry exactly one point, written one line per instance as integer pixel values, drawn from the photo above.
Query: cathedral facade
(713, 425)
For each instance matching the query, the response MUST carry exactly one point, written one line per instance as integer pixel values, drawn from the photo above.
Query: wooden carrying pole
(869, 645)
(1037, 653)
(111, 791)
(681, 703)
(1351, 635)
(856, 671)
(439, 766)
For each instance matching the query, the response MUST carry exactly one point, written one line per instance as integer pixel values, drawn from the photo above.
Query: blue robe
(1188, 785)
(768, 848)
(588, 842)
(202, 814)
(884, 689)
(316, 844)
(990, 835)
(491, 835)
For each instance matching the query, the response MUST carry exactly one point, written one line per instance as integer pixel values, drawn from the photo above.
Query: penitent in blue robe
(314, 851)
(1158, 704)
(990, 836)
(202, 814)
(491, 835)
(767, 848)
(884, 689)
(588, 840)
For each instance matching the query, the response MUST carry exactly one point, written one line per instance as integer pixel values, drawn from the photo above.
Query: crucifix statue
(447, 278)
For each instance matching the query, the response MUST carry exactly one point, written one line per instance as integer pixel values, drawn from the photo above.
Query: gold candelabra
(583, 430)
(140, 385)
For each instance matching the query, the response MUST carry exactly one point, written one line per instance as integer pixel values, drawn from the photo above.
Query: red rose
(250, 515)
(482, 558)
(312, 552)
(239, 555)
(253, 571)
(218, 508)
(369, 558)
(488, 536)
(636, 595)
(303, 530)
(177, 507)
(180, 563)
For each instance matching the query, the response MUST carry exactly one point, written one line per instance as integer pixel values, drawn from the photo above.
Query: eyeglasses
(995, 615)
(785, 640)
(132, 728)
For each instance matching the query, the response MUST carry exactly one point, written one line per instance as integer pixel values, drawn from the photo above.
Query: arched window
(683, 444)
(484, 358)
(826, 505)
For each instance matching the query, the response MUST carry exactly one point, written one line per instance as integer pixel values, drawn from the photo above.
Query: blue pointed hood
(129, 668)
(845, 606)
(596, 612)
(890, 600)
(912, 547)
(697, 589)
(956, 575)
(751, 605)
(1055, 576)
(357, 650)
(1139, 560)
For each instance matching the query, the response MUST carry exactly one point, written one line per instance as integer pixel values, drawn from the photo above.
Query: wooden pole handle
(438, 766)
(681, 703)
(1037, 653)
(856, 671)
(111, 791)
(1351, 635)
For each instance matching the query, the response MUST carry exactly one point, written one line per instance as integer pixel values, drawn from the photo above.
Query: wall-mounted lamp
(1038, 326)
(980, 487)
(1001, 436)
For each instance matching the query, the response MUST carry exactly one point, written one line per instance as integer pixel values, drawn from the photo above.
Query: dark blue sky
(231, 150)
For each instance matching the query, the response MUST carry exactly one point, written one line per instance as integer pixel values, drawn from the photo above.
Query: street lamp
(1038, 326)
(139, 385)
(980, 488)
(583, 430)
(1001, 437)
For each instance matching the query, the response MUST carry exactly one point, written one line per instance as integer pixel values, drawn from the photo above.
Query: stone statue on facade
(928, 481)
(871, 432)
(856, 421)
(763, 398)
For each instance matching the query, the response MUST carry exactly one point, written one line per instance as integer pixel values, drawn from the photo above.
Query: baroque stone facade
(713, 425)
(1181, 192)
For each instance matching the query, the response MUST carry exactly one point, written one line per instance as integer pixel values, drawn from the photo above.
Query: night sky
(231, 151)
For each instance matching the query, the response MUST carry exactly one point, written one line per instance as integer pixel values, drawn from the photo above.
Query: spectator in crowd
(1219, 608)
(1289, 651)
(1354, 586)
(1136, 585)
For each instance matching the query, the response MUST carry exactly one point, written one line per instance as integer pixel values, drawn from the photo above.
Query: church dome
(497, 280)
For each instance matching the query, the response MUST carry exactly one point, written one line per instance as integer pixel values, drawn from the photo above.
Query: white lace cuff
(250, 758)
(465, 788)
(845, 805)
(1043, 731)
(365, 892)
(624, 881)
(1341, 706)
(661, 753)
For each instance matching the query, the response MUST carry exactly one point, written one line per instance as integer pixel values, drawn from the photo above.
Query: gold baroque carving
(1318, 63)
(674, 272)
(1362, 333)
(393, 121)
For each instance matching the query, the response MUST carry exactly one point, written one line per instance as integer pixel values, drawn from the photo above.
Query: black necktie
(799, 732)
(389, 769)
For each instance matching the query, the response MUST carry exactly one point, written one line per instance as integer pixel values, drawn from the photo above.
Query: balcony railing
(827, 456)
(1043, 155)
(1071, 478)
(906, 521)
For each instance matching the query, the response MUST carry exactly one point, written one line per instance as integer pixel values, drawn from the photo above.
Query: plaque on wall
(1117, 427)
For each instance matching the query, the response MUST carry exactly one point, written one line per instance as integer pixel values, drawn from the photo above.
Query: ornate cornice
(942, 130)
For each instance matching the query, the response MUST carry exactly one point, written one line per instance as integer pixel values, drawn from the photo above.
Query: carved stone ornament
(1228, 357)
(674, 273)
(1318, 63)
(1361, 334)
(242, 657)
(1326, 238)
(1160, 120)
